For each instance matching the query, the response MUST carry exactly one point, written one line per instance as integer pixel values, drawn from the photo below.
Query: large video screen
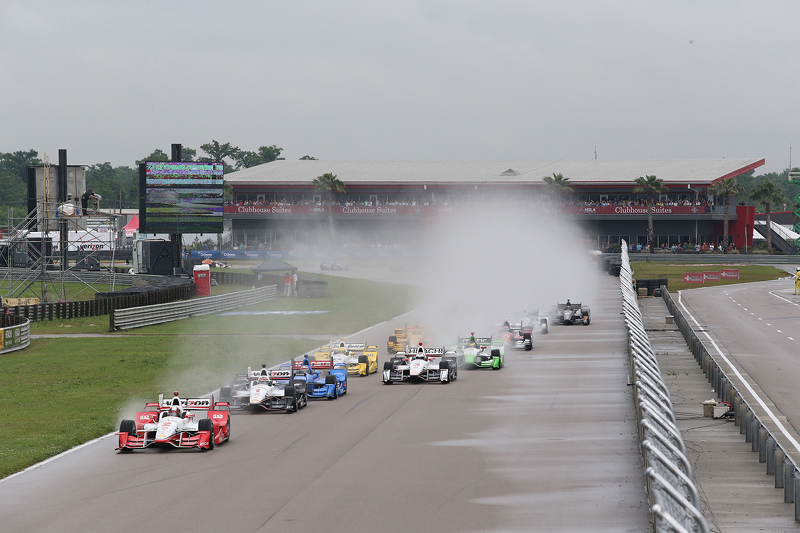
(180, 197)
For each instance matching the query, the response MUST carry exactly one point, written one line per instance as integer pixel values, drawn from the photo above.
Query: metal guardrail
(777, 457)
(15, 337)
(674, 500)
(137, 317)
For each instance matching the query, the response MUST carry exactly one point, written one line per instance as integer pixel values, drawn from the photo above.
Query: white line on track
(62, 454)
(758, 317)
(739, 375)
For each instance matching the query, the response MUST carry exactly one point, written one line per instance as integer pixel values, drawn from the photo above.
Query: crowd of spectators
(675, 248)
(700, 201)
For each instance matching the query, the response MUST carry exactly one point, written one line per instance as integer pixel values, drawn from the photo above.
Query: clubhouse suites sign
(702, 277)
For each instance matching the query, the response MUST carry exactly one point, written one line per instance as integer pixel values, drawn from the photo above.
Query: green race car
(483, 352)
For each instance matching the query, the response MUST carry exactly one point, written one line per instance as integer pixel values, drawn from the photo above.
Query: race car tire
(453, 362)
(127, 426)
(228, 429)
(331, 380)
(496, 352)
(363, 359)
(344, 385)
(206, 424)
(300, 390)
(225, 394)
(387, 365)
(291, 395)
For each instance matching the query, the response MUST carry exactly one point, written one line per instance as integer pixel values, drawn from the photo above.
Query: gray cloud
(402, 79)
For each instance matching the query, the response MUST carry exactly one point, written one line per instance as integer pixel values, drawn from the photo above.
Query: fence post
(111, 319)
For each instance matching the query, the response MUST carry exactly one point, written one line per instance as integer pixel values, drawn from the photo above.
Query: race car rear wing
(189, 404)
(434, 352)
(481, 341)
(322, 364)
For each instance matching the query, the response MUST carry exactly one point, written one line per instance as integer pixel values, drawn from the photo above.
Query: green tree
(557, 186)
(118, 186)
(219, 153)
(726, 188)
(650, 185)
(308, 158)
(329, 185)
(768, 193)
(270, 153)
(16, 163)
(187, 154)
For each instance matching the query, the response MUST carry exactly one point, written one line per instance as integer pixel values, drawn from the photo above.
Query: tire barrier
(778, 450)
(675, 504)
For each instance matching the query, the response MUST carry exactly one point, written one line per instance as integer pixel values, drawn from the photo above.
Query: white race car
(273, 390)
(425, 364)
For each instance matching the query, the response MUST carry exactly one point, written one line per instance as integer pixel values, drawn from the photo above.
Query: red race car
(177, 423)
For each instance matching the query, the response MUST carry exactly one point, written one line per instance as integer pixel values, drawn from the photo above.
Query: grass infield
(674, 273)
(47, 385)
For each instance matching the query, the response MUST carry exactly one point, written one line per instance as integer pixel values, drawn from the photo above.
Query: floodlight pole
(62, 221)
(176, 238)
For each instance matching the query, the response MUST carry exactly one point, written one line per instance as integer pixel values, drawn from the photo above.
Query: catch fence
(675, 504)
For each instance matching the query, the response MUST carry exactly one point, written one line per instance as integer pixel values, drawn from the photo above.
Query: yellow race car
(359, 357)
(408, 336)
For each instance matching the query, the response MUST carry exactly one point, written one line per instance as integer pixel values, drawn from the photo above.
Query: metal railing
(137, 317)
(772, 445)
(674, 500)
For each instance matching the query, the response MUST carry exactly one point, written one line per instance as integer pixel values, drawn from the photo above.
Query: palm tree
(557, 185)
(328, 185)
(768, 193)
(650, 185)
(726, 188)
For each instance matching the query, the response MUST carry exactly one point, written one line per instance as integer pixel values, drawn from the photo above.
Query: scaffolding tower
(32, 257)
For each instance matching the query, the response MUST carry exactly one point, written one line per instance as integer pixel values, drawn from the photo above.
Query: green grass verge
(674, 273)
(61, 392)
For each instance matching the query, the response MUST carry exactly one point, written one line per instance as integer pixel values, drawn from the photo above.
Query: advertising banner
(693, 277)
(729, 273)
(710, 276)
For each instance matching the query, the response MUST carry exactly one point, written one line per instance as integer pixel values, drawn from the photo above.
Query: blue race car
(322, 384)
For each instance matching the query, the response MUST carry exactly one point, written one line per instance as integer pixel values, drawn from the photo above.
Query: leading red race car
(178, 423)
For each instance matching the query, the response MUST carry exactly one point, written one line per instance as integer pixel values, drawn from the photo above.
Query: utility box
(202, 278)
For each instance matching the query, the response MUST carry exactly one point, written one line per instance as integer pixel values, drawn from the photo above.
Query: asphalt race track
(548, 443)
(759, 325)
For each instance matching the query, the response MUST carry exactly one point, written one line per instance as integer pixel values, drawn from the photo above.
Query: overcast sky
(403, 80)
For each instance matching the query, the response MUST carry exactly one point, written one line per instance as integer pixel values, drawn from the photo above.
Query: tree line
(119, 186)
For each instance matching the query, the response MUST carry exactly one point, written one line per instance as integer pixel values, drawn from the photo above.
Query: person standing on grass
(294, 283)
(287, 284)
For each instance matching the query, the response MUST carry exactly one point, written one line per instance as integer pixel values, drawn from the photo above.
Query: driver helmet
(174, 411)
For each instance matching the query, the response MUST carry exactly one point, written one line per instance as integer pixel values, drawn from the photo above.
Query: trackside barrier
(776, 457)
(15, 333)
(149, 315)
(675, 504)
